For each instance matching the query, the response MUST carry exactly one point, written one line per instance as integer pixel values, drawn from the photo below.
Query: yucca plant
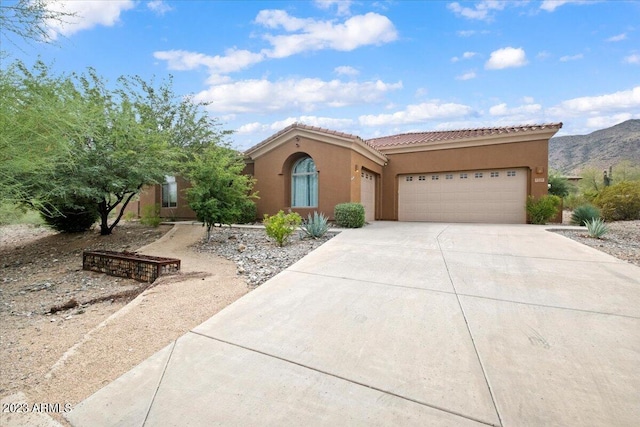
(315, 226)
(596, 228)
(584, 213)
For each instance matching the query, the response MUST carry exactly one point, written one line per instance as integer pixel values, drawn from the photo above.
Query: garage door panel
(494, 196)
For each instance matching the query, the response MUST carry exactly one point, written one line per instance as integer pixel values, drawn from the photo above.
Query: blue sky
(370, 68)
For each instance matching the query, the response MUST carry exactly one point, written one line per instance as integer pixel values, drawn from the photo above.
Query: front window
(304, 183)
(169, 192)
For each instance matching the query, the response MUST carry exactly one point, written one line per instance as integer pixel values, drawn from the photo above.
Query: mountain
(601, 149)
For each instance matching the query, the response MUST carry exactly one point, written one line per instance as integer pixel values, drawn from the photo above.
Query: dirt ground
(64, 357)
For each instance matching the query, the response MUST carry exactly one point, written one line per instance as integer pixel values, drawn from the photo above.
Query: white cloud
(323, 122)
(632, 59)
(543, 55)
(346, 70)
(507, 57)
(291, 94)
(481, 11)
(310, 35)
(233, 60)
(599, 105)
(552, 5)
(418, 113)
(88, 15)
(522, 111)
(465, 55)
(343, 5)
(568, 58)
(249, 128)
(159, 7)
(617, 38)
(467, 76)
(465, 33)
(602, 122)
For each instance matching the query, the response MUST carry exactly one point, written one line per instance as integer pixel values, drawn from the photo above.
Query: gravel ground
(622, 241)
(257, 258)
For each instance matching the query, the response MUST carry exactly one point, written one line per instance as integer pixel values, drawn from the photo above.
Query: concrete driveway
(406, 324)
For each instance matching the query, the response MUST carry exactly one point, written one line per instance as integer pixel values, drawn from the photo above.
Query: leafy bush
(349, 215)
(620, 201)
(542, 210)
(596, 228)
(11, 213)
(248, 212)
(584, 213)
(315, 226)
(71, 216)
(151, 215)
(280, 226)
(559, 185)
(573, 201)
(129, 216)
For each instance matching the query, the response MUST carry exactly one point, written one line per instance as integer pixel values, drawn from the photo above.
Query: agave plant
(584, 213)
(596, 228)
(315, 226)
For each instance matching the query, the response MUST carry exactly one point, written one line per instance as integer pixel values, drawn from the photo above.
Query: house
(471, 175)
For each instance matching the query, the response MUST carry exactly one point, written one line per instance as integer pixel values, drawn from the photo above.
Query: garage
(368, 195)
(488, 196)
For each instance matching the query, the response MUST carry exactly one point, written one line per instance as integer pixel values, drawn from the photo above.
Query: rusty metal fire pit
(144, 268)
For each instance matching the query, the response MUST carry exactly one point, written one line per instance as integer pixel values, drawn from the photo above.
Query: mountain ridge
(571, 154)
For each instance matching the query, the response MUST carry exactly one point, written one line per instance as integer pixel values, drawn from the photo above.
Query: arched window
(304, 183)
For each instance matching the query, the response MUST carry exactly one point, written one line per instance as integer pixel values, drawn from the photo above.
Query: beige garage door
(490, 196)
(368, 195)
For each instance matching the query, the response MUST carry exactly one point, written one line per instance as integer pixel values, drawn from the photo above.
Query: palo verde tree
(72, 141)
(38, 117)
(219, 189)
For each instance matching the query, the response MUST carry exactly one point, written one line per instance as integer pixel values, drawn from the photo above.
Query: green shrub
(620, 202)
(71, 216)
(248, 212)
(542, 210)
(596, 228)
(12, 213)
(151, 215)
(129, 216)
(584, 213)
(280, 226)
(559, 185)
(574, 200)
(349, 215)
(315, 226)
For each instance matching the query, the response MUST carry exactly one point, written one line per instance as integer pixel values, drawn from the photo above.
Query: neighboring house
(473, 175)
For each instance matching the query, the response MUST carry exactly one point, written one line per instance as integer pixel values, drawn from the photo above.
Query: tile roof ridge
(482, 130)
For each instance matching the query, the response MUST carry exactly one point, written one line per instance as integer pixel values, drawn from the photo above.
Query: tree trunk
(105, 209)
(105, 230)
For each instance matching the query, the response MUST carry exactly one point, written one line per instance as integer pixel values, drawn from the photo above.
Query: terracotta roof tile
(425, 137)
(312, 128)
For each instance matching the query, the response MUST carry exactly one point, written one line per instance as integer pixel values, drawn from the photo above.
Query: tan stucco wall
(359, 163)
(339, 177)
(532, 155)
(272, 172)
(152, 195)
